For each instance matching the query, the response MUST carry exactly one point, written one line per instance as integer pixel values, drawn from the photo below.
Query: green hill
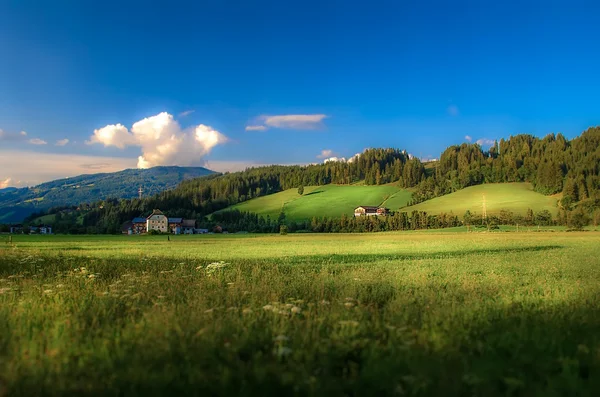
(328, 200)
(516, 197)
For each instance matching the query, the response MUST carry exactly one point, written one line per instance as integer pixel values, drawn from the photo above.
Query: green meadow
(325, 201)
(412, 313)
(516, 197)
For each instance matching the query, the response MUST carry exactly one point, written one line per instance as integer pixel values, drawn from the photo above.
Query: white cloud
(354, 158)
(334, 159)
(288, 121)
(294, 121)
(61, 142)
(255, 128)
(452, 110)
(162, 141)
(468, 138)
(325, 154)
(23, 133)
(186, 113)
(37, 141)
(114, 134)
(5, 183)
(485, 142)
(43, 167)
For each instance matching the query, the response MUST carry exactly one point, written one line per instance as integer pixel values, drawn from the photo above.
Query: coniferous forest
(553, 164)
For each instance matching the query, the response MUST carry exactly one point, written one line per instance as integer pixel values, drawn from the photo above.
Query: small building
(127, 228)
(45, 229)
(16, 229)
(368, 210)
(188, 226)
(157, 221)
(139, 225)
(175, 225)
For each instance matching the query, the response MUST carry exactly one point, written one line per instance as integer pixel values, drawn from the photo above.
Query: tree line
(553, 164)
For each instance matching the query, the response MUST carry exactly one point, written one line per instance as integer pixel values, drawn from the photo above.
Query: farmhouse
(367, 210)
(157, 221)
(161, 223)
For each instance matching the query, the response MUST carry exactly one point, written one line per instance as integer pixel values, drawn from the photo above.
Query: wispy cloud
(61, 142)
(485, 142)
(37, 141)
(23, 133)
(452, 110)
(161, 140)
(288, 121)
(256, 128)
(186, 113)
(468, 138)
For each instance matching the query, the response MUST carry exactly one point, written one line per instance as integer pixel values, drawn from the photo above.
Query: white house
(157, 221)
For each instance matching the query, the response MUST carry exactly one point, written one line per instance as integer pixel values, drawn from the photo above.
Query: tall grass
(385, 314)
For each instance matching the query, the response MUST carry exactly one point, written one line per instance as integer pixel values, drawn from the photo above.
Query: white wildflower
(296, 310)
(247, 311)
(281, 338)
(268, 307)
(283, 351)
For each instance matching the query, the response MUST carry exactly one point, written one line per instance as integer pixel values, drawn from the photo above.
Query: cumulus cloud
(334, 159)
(162, 141)
(37, 141)
(485, 142)
(5, 183)
(288, 121)
(23, 133)
(452, 110)
(468, 138)
(61, 142)
(256, 128)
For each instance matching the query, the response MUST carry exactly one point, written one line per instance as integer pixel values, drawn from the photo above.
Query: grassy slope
(516, 197)
(329, 200)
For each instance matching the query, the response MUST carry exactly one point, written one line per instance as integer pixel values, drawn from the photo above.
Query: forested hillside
(16, 204)
(551, 164)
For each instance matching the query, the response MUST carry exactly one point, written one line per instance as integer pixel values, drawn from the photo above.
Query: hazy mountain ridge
(15, 204)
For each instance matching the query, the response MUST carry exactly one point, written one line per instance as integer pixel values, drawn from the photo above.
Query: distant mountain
(16, 204)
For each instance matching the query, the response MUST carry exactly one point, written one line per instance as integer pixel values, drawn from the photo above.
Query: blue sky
(338, 76)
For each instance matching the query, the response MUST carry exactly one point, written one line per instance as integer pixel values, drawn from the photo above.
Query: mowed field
(411, 313)
(325, 201)
(516, 197)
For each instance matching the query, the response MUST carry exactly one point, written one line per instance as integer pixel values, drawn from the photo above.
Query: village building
(175, 225)
(188, 226)
(16, 229)
(368, 210)
(139, 225)
(157, 221)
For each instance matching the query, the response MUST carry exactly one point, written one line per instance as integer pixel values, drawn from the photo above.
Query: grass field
(325, 201)
(413, 313)
(516, 197)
